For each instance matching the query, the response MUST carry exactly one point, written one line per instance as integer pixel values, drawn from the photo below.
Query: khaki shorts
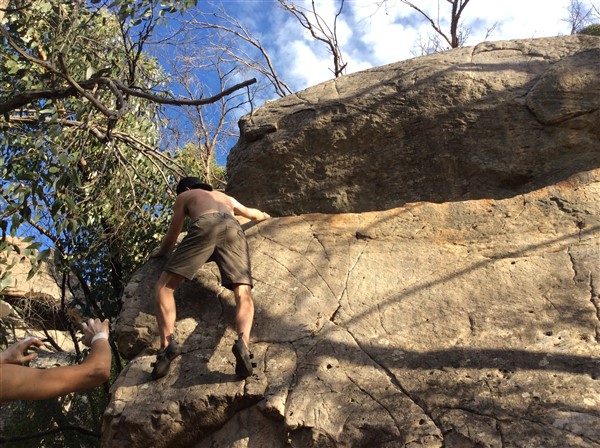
(214, 237)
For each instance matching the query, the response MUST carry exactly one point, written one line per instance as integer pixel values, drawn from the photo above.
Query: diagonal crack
(593, 291)
(421, 404)
(366, 392)
(344, 291)
(595, 302)
(315, 269)
(573, 266)
(316, 237)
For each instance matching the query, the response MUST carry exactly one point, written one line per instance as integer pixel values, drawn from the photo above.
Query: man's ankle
(245, 339)
(167, 341)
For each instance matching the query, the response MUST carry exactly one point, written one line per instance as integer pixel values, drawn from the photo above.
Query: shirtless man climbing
(215, 235)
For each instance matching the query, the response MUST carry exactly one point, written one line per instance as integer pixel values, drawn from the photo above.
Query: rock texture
(33, 305)
(463, 310)
(459, 324)
(42, 286)
(490, 121)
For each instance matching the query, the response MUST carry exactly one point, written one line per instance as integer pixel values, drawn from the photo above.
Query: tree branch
(174, 102)
(97, 104)
(239, 31)
(320, 31)
(29, 96)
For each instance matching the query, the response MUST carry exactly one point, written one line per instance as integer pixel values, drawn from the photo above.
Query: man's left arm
(170, 238)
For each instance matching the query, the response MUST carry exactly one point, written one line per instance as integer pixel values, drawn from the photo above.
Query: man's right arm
(18, 382)
(247, 212)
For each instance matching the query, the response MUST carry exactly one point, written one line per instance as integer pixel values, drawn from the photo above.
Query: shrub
(591, 30)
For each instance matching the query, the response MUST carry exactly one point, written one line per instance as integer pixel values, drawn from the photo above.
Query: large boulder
(460, 324)
(43, 286)
(455, 302)
(490, 121)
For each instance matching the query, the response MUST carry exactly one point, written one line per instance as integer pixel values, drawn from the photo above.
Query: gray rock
(490, 121)
(462, 311)
(459, 324)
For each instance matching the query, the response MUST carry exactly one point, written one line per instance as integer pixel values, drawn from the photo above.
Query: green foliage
(87, 190)
(26, 418)
(65, 183)
(591, 30)
(190, 158)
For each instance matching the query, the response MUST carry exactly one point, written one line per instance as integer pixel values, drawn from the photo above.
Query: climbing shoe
(164, 358)
(243, 359)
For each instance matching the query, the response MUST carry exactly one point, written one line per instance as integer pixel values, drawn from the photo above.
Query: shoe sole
(161, 367)
(243, 363)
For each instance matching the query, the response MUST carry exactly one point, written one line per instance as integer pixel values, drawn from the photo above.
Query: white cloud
(520, 19)
(307, 66)
(372, 35)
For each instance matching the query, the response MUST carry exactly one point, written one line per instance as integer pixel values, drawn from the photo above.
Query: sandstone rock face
(438, 288)
(490, 121)
(42, 286)
(34, 304)
(462, 324)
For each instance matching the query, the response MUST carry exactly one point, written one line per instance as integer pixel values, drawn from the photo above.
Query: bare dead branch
(457, 7)
(235, 28)
(579, 15)
(490, 31)
(320, 31)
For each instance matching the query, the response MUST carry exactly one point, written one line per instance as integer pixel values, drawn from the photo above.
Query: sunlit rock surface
(461, 311)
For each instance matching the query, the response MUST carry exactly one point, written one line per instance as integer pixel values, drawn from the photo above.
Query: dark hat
(191, 183)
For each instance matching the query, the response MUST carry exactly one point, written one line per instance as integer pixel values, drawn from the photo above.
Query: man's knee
(242, 291)
(167, 283)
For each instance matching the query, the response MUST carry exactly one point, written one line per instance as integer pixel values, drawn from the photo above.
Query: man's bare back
(199, 202)
(195, 202)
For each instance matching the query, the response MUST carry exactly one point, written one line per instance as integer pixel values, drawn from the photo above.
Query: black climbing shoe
(243, 363)
(164, 358)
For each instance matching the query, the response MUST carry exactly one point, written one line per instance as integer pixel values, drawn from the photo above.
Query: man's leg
(244, 315)
(165, 309)
(244, 311)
